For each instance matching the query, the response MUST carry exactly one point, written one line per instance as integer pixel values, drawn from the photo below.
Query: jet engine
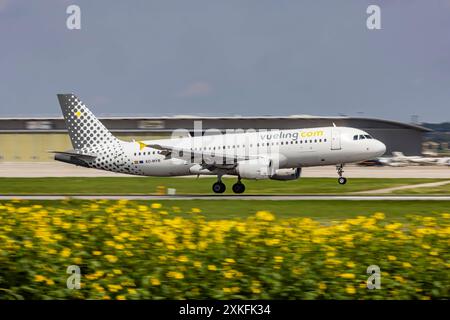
(255, 169)
(286, 174)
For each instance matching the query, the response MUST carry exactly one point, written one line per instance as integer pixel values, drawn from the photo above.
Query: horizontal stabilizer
(74, 157)
(76, 154)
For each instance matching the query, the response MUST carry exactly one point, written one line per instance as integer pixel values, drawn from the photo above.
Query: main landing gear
(238, 187)
(340, 170)
(219, 186)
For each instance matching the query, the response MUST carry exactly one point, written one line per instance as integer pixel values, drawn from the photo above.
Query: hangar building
(30, 139)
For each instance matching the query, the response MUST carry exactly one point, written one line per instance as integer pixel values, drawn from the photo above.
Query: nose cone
(379, 148)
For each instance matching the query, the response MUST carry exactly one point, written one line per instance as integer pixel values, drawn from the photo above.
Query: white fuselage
(294, 148)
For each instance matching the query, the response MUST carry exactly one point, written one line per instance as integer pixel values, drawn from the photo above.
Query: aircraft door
(335, 139)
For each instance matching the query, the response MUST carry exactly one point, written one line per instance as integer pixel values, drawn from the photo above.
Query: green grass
(228, 209)
(439, 190)
(149, 185)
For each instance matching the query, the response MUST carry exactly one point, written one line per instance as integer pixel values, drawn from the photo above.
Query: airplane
(277, 155)
(398, 159)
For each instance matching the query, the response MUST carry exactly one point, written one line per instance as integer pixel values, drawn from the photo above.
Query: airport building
(30, 139)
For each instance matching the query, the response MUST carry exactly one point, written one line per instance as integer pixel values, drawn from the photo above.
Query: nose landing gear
(340, 171)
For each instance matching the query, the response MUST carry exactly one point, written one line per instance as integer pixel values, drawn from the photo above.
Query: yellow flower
(121, 297)
(229, 260)
(265, 215)
(350, 290)
(392, 258)
(226, 290)
(347, 275)
(156, 205)
(114, 287)
(379, 215)
(175, 275)
(350, 264)
(96, 253)
(212, 267)
(196, 210)
(155, 282)
(322, 286)
(278, 259)
(49, 282)
(117, 271)
(132, 291)
(28, 244)
(407, 265)
(111, 258)
(255, 290)
(39, 278)
(66, 252)
(183, 259)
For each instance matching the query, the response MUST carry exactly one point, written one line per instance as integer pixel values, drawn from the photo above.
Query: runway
(227, 197)
(58, 169)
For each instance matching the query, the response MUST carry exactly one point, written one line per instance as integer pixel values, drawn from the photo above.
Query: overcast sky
(229, 57)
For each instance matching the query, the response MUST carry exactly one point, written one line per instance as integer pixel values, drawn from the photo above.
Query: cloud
(196, 89)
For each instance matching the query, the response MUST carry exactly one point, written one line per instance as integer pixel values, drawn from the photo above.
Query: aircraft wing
(214, 158)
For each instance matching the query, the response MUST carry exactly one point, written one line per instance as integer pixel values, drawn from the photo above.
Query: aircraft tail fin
(85, 130)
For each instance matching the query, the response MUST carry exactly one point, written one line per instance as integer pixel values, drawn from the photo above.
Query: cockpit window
(368, 136)
(361, 136)
(355, 137)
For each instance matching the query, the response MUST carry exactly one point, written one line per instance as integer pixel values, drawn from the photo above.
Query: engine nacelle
(255, 169)
(286, 174)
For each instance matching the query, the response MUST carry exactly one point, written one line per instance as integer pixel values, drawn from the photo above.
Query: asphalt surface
(224, 197)
(59, 169)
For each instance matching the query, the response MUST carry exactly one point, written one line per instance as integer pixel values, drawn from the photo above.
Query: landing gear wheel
(342, 180)
(238, 187)
(219, 187)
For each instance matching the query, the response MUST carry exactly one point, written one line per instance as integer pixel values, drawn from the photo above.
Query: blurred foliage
(127, 250)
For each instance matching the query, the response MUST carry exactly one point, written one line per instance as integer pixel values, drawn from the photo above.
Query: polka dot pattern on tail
(89, 136)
